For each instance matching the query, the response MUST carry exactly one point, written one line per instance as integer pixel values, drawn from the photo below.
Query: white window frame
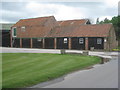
(73, 22)
(105, 40)
(65, 40)
(81, 40)
(39, 40)
(23, 28)
(13, 32)
(99, 40)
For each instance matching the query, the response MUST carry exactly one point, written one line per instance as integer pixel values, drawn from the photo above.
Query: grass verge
(26, 69)
(116, 49)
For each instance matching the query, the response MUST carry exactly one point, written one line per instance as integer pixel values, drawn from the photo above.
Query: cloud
(13, 6)
(111, 3)
(61, 12)
(13, 11)
(119, 8)
(11, 16)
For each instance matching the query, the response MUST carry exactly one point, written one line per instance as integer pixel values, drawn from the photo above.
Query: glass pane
(65, 40)
(14, 31)
(99, 41)
(23, 28)
(81, 41)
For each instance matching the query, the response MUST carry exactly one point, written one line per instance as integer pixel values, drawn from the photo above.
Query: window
(39, 40)
(105, 40)
(65, 40)
(81, 41)
(72, 22)
(23, 28)
(14, 32)
(99, 41)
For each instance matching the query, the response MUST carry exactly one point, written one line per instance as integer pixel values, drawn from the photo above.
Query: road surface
(101, 76)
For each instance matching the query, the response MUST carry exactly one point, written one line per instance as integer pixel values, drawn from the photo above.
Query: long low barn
(46, 32)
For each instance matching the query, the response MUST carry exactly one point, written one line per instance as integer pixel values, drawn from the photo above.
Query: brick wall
(69, 46)
(37, 30)
(86, 43)
(111, 40)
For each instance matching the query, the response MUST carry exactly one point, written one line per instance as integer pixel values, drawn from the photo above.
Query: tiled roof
(72, 22)
(34, 31)
(97, 30)
(32, 21)
(37, 27)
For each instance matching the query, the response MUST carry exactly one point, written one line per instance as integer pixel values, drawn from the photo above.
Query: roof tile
(32, 21)
(97, 30)
(72, 22)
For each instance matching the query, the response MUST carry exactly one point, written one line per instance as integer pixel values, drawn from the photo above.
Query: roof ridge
(96, 24)
(37, 17)
(71, 20)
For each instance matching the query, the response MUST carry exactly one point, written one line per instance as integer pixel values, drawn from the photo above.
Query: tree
(116, 23)
(105, 21)
(97, 21)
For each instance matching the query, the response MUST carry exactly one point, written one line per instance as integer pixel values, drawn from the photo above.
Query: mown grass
(26, 69)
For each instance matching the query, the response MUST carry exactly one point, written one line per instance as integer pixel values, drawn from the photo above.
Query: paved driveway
(28, 50)
(101, 76)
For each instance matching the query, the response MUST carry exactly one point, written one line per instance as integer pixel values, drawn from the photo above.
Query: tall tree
(106, 20)
(116, 23)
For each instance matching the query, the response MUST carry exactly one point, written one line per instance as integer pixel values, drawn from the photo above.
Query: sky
(14, 11)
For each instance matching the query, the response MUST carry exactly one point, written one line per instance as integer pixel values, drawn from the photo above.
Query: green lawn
(118, 47)
(26, 69)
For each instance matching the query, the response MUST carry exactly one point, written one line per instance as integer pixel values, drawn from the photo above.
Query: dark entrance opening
(62, 43)
(37, 43)
(96, 42)
(78, 43)
(26, 43)
(49, 43)
(16, 42)
(6, 38)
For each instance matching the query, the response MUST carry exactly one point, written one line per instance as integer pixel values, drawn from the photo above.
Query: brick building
(46, 32)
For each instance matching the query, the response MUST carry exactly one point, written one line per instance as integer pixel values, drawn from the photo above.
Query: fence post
(85, 52)
(62, 51)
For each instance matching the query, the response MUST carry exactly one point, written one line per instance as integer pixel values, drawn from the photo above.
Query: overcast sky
(13, 11)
